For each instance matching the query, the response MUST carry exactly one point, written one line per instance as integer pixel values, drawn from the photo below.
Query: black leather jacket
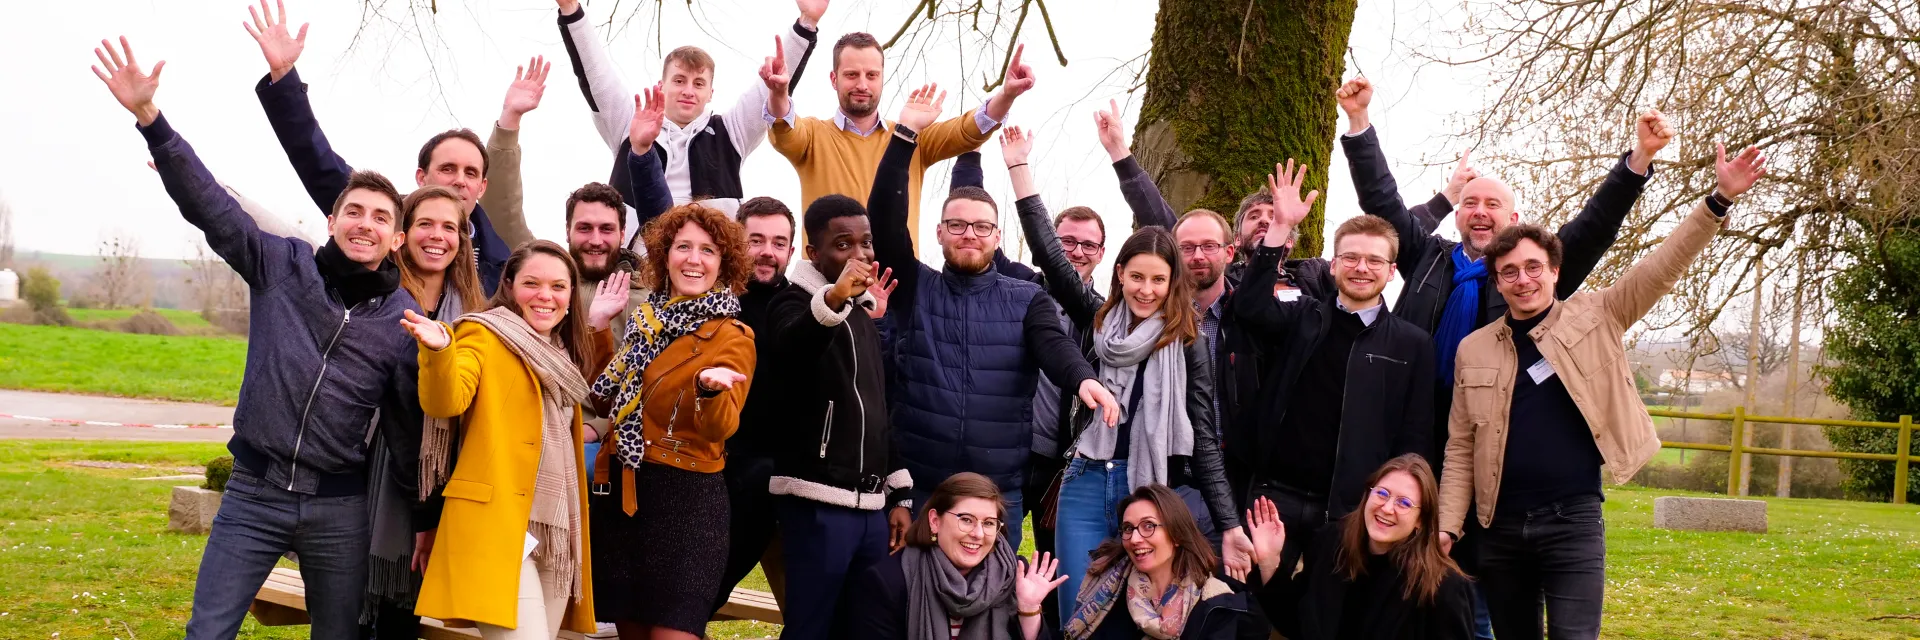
(1206, 469)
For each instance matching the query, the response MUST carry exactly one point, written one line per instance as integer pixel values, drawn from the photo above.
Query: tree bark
(1753, 368)
(1235, 86)
(1783, 486)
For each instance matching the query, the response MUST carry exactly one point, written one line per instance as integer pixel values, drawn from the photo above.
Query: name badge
(1540, 371)
(526, 548)
(1287, 295)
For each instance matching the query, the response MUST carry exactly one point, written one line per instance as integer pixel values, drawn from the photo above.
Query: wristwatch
(905, 133)
(1721, 200)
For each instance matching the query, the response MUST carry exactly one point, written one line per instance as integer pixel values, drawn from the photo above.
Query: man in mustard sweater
(840, 155)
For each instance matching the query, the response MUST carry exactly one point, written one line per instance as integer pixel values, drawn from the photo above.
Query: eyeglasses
(1352, 260)
(1533, 269)
(959, 227)
(1146, 530)
(1402, 502)
(1209, 249)
(1070, 243)
(970, 523)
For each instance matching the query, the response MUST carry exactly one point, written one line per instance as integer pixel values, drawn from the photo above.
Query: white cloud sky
(75, 168)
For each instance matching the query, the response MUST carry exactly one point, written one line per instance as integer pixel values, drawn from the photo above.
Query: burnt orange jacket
(682, 429)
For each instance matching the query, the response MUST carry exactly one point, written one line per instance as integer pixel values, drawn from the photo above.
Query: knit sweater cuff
(158, 133)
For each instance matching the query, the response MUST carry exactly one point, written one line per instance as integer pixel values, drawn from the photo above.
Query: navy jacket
(324, 173)
(968, 351)
(319, 377)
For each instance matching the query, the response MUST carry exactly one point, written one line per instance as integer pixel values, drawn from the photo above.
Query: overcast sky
(74, 170)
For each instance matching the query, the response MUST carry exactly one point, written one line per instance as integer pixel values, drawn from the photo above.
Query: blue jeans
(1016, 511)
(258, 523)
(824, 544)
(592, 450)
(1089, 496)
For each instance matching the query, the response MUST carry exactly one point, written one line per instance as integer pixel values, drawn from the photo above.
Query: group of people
(1231, 441)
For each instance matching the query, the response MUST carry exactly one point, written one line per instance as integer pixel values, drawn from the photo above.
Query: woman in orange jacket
(512, 552)
(673, 396)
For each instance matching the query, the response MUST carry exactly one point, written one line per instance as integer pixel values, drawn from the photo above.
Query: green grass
(86, 552)
(188, 321)
(70, 360)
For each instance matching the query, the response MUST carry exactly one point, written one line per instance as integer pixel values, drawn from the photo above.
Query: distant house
(1699, 381)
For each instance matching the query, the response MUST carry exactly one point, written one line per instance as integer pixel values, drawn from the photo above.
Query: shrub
(218, 470)
(228, 320)
(149, 323)
(42, 292)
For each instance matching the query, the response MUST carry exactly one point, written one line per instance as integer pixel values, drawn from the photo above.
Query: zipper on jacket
(826, 430)
(861, 404)
(1372, 356)
(294, 466)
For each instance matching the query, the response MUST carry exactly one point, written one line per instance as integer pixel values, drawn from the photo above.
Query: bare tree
(6, 234)
(121, 276)
(214, 286)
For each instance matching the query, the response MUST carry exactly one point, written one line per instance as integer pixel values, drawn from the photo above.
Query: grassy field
(70, 360)
(187, 321)
(87, 556)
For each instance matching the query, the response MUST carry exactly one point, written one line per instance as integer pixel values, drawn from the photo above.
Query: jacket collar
(969, 281)
(809, 278)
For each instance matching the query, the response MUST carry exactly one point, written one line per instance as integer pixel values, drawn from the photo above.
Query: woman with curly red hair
(673, 394)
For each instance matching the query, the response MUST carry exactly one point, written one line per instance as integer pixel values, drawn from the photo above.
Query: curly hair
(728, 236)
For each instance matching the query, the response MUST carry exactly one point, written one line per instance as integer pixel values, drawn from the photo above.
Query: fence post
(1733, 457)
(1901, 462)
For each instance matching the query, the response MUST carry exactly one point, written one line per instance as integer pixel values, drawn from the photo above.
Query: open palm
(923, 106)
(649, 110)
(131, 86)
(1036, 580)
(529, 83)
(1737, 175)
(279, 46)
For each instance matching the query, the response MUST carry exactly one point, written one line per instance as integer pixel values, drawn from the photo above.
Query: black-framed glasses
(1533, 269)
(1146, 530)
(1402, 502)
(971, 523)
(959, 227)
(1070, 243)
(1208, 249)
(1353, 260)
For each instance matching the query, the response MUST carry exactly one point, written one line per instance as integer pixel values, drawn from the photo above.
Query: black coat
(876, 605)
(1387, 405)
(1234, 616)
(1311, 605)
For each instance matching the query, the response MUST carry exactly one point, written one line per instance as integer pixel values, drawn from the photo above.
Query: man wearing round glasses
(1346, 386)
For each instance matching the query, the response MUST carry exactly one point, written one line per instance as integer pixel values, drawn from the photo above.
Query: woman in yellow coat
(510, 554)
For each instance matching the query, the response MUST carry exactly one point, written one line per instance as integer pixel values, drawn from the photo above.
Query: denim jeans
(257, 523)
(1556, 554)
(1089, 495)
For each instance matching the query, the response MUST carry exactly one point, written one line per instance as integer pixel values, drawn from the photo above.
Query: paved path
(64, 407)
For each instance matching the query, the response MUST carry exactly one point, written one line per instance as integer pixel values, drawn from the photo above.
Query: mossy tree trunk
(1235, 86)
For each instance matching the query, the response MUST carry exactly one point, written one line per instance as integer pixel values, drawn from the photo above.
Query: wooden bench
(282, 601)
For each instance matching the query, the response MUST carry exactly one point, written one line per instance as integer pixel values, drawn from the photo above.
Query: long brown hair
(572, 329)
(462, 272)
(951, 491)
(1178, 305)
(1193, 559)
(729, 236)
(1419, 556)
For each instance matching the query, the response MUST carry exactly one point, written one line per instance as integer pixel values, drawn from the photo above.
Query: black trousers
(1553, 556)
(1040, 472)
(1300, 514)
(751, 526)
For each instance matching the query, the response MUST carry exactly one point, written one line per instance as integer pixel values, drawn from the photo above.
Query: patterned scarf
(653, 325)
(1159, 616)
(1463, 308)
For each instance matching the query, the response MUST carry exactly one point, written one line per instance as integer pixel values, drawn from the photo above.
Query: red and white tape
(102, 423)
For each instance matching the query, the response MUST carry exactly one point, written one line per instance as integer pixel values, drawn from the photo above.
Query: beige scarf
(556, 503)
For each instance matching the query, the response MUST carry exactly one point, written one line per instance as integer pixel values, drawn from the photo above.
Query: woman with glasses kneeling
(1377, 573)
(955, 579)
(1156, 581)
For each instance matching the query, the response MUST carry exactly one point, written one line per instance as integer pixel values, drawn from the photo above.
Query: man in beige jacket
(1550, 383)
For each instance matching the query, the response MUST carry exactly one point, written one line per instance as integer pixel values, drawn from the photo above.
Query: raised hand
(1354, 96)
(1236, 553)
(609, 300)
(1736, 176)
(855, 277)
(1019, 78)
(717, 379)
(1267, 534)
(428, 333)
(129, 85)
(922, 107)
(647, 116)
(810, 12)
(1015, 146)
(529, 83)
(1112, 137)
(881, 290)
(1651, 134)
(280, 48)
(1094, 394)
(1288, 208)
(773, 69)
(569, 7)
(1463, 173)
(1035, 581)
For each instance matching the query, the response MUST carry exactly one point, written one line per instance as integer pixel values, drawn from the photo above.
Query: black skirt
(662, 565)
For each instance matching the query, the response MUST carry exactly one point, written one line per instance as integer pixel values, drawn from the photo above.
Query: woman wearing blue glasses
(1377, 573)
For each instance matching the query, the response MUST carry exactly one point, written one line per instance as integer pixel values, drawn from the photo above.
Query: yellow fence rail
(1900, 457)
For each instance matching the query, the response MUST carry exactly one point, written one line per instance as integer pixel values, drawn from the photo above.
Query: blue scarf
(1463, 308)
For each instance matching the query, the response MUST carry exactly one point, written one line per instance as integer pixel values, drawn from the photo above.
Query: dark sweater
(1319, 603)
(1310, 434)
(758, 417)
(1550, 451)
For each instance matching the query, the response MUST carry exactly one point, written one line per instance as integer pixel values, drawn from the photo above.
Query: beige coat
(1581, 338)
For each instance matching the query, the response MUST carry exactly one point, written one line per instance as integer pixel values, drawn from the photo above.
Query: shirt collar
(1367, 315)
(845, 123)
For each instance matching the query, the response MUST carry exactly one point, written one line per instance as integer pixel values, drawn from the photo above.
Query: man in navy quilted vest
(969, 343)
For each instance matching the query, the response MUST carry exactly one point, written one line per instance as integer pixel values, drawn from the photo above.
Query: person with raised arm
(455, 158)
(322, 337)
(1544, 399)
(965, 317)
(1155, 580)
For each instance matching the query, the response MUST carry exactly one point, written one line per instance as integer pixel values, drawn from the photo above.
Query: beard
(771, 264)
(859, 111)
(590, 272)
(1204, 276)
(974, 263)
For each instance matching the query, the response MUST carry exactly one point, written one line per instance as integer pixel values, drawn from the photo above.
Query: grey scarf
(936, 591)
(1159, 426)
